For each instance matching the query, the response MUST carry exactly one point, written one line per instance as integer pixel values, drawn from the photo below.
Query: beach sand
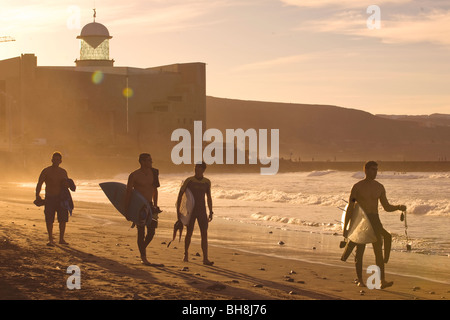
(103, 246)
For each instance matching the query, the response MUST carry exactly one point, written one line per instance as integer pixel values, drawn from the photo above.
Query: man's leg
(150, 234)
(141, 244)
(187, 239)
(49, 213)
(203, 224)
(151, 230)
(378, 251)
(378, 247)
(62, 230)
(63, 218)
(50, 233)
(359, 262)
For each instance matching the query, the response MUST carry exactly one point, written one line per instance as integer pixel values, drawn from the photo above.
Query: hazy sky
(300, 51)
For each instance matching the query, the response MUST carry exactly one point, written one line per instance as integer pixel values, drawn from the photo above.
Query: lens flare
(127, 92)
(97, 77)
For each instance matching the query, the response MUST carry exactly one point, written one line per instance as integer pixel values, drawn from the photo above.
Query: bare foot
(360, 283)
(63, 242)
(206, 262)
(145, 261)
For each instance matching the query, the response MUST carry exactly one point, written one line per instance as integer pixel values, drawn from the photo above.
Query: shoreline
(102, 244)
(106, 167)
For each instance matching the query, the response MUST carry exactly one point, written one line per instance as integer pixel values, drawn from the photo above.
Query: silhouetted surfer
(55, 179)
(199, 186)
(145, 180)
(366, 193)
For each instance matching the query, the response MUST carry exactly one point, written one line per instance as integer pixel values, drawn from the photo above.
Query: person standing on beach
(199, 186)
(55, 179)
(366, 193)
(145, 180)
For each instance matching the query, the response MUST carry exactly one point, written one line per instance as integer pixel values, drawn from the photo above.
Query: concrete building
(95, 105)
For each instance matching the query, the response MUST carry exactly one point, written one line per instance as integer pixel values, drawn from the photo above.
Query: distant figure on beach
(145, 180)
(56, 198)
(199, 186)
(366, 193)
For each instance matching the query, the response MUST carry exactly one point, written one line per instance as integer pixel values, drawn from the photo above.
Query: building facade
(95, 105)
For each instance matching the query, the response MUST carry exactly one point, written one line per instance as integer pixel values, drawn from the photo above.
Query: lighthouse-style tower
(94, 47)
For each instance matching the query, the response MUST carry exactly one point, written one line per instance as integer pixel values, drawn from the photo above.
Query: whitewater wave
(292, 190)
(320, 173)
(295, 221)
(390, 175)
(438, 208)
(278, 196)
(406, 176)
(414, 206)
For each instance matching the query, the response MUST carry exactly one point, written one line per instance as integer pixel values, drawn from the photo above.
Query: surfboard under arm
(359, 228)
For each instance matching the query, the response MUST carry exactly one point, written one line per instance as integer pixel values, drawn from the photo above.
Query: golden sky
(299, 51)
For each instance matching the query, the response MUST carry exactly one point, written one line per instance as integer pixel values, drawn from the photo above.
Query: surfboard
(139, 211)
(186, 206)
(360, 229)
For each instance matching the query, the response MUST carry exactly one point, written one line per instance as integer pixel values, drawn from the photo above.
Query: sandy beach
(103, 246)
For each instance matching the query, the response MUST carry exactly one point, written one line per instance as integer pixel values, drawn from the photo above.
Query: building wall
(16, 74)
(64, 108)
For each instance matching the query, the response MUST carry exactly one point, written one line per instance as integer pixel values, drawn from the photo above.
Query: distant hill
(332, 133)
(432, 120)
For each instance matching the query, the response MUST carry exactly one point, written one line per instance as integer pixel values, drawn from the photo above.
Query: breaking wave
(295, 221)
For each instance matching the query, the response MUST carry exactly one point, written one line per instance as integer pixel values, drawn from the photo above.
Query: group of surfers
(367, 193)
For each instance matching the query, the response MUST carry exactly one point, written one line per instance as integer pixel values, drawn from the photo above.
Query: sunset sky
(299, 51)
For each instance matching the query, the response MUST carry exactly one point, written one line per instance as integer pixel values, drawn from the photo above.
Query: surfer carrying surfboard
(366, 194)
(199, 186)
(145, 180)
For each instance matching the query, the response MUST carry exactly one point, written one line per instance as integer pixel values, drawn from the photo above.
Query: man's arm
(129, 192)
(41, 180)
(155, 197)
(349, 212)
(156, 185)
(387, 206)
(209, 201)
(180, 195)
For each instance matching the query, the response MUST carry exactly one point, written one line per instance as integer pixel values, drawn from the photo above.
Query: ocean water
(293, 207)
(313, 202)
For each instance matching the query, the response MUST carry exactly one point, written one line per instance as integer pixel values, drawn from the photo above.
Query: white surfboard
(360, 229)
(186, 206)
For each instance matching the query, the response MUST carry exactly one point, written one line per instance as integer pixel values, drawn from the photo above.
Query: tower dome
(94, 46)
(94, 29)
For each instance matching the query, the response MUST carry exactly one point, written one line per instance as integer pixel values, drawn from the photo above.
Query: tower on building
(94, 46)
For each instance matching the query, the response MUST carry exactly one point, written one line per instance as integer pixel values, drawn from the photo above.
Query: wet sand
(103, 246)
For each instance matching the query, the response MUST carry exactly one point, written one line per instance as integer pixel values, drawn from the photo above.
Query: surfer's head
(371, 169)
(200, 167)
(145, 158)
(56, 158)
